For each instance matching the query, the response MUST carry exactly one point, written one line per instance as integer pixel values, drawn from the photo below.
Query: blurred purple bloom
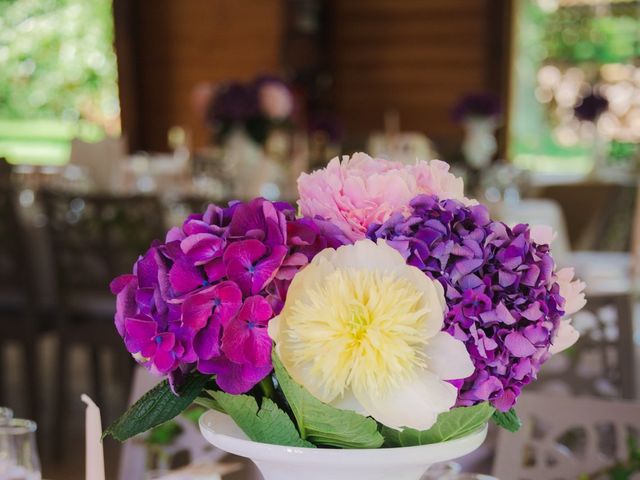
(477, 105)
(591, 107)
(503, 299)
(234, 103)
(202, 300)
(327, 124)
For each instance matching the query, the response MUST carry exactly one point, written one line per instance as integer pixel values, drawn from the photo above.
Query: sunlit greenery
(58, 77)
(577, 36)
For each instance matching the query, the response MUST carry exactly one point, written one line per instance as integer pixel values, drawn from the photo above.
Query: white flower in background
(361, 330)
(571, 290)
(574, 299)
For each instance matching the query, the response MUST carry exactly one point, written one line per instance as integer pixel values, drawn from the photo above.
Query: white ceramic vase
(293, 463)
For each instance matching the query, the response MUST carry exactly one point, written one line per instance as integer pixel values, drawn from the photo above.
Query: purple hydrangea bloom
(503, 299)
(203, 298)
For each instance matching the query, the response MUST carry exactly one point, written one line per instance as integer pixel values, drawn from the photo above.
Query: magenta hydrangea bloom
(503, 298)
(202, 299)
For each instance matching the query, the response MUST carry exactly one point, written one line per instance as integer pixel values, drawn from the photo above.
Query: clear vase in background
(18, 451)
(479, 144)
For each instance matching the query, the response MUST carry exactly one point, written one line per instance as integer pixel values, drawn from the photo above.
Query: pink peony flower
(359, 191)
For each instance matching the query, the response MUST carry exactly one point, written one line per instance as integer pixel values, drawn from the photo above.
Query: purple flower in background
(591, 107)
(203, 298)
(234, 103)
(477, 105)
(326, 124)
(503, 298)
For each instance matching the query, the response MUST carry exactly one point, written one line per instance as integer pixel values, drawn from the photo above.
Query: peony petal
(448, 358)
(415, 403)
(348, 401)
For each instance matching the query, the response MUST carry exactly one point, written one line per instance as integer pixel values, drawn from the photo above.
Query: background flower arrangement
(259, 106)
(401, 313)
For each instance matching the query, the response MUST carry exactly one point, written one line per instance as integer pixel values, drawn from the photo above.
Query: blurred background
(119, 117)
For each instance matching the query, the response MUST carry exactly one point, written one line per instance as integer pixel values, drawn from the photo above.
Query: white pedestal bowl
(293, 463)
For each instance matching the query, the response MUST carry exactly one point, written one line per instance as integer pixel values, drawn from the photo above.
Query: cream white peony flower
(361, 330)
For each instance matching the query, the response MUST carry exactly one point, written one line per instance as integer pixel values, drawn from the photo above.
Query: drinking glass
(18, 451)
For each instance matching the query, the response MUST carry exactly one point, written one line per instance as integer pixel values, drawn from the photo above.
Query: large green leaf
(450, 425)
(267, 425)
(323, 424)
(206, 400)
(156, 406)
(507, 420)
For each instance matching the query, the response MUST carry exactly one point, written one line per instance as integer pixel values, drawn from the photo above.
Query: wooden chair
(564, 437)
(602, 363)
(93, 239)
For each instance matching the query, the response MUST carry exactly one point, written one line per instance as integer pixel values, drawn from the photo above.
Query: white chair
(563, 437)
(133, 457)
(102, 161)
(603, 363)
(540, 211)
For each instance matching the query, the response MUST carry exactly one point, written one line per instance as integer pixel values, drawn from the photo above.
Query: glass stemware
(18, 451)
(5, 414)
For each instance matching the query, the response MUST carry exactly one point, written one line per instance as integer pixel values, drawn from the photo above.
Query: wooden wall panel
(415, 56)
(180, 43)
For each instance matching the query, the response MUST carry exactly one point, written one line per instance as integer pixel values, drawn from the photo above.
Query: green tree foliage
(57, 62)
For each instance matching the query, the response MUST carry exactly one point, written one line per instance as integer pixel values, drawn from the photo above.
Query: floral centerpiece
(259, 107)
(392, 311)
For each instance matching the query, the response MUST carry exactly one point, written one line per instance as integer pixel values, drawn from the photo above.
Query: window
(58, 77)
(564, 51)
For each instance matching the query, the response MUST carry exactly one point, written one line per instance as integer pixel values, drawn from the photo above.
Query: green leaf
(164, 434)
(157, 406)
(194, 412)
(268, 425)
(450, 425)
(207, 401)
(507, 420)
(323, 424)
